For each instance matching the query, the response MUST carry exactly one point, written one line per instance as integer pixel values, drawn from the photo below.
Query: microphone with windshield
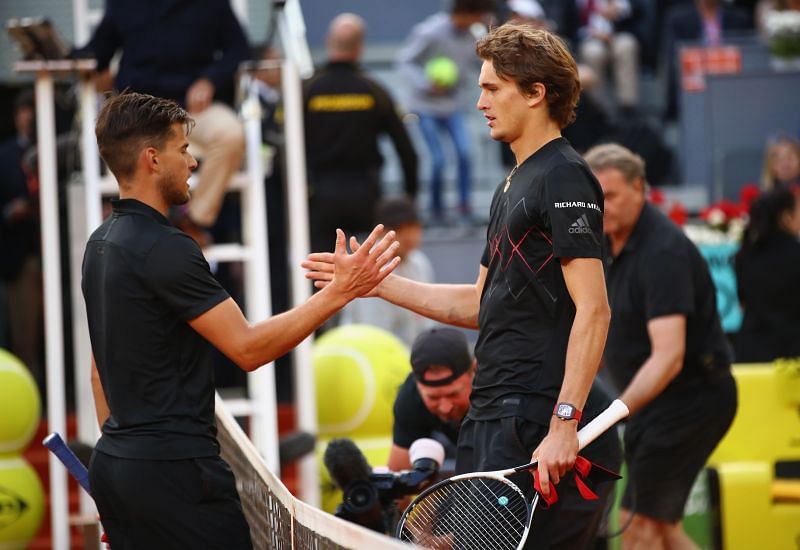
(368, 497)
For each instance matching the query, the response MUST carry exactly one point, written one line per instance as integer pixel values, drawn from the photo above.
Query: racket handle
(68, 459)
(603, 421)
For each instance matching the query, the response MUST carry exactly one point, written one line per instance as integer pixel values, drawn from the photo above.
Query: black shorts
(165, 504)
(571, 523)
(666, 447)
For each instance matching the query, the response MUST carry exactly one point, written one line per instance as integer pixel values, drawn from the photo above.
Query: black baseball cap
(446, 347)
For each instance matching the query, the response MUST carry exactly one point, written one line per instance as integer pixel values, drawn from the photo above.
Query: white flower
(716, 217)
(785, 22)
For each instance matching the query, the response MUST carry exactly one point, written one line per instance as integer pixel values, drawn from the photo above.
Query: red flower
(678, 214)
(657, 197)
(747, 195)
(730, 209)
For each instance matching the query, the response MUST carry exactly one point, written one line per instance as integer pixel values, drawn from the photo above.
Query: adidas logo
(580, 226)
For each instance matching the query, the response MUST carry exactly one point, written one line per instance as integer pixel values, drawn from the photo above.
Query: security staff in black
(345, 114)
(666, 352)
(154, 311)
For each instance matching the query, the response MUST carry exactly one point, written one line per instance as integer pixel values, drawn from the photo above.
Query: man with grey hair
(345, 113)
(665, 350)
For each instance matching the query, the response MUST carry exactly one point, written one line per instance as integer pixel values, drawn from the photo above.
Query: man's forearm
(100, 404)
(452, 304)
(584, 352)
(650, 380)
(668, 346)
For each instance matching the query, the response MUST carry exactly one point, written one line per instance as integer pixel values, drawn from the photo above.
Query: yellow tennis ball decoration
(19, 404)
(442, 71)
(21, 503)
(357, 370)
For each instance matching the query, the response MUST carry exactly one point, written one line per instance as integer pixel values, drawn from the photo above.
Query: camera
(370, 498)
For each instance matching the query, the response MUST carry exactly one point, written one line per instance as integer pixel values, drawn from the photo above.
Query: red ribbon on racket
(587, 473)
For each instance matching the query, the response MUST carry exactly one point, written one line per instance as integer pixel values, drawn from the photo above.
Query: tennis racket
(68, 459)
(481, 510)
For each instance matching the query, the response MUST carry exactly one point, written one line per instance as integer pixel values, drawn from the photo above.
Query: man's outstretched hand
(357, 273)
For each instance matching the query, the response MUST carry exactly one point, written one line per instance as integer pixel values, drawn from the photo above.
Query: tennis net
(278, 520)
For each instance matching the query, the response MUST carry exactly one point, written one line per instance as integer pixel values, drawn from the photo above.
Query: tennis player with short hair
(154, 311)
(540, 297)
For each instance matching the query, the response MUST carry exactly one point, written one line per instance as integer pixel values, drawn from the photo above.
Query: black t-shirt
(767, 279)
(660, 272)
(142, 281)
(412, 420)
(552, 209)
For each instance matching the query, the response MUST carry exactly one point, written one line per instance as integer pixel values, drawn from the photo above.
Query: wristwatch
(567, 411)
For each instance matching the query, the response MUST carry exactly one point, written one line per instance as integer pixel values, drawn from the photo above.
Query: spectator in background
(592, 119)
(607, 44)
(781, 163)
(666, 352)
(20, 264)
(400, 215)
(767, 272)
(704, 21)
(529, 12)
(345, 114)
(439, 61)
(564, 17)
(187, 51)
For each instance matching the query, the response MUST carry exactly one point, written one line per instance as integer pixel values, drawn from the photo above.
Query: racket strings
(472, 529)
(473, 513)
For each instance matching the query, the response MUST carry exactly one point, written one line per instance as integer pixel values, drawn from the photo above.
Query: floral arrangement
(783, 30)
(721, 222)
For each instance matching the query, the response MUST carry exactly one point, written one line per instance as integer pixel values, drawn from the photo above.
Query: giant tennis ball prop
(21, 503)
(357, 370)
(442, 71)
(19, 404)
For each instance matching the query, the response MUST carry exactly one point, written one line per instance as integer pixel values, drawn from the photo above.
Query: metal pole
(90, 157)
(81, 23)
(92, 217)
(257, 283)
(305, 392)
(51, 266)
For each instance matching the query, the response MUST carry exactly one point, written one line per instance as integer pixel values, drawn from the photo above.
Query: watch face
(565, 410)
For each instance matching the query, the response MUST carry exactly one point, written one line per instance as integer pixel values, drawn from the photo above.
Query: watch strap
(567, 411)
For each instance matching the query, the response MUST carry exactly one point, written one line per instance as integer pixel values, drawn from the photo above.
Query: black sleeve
(666, 281)
(232, 44)
(572, 204)
(105, 41)
(178, 273)
(409, 415)
(402, 143)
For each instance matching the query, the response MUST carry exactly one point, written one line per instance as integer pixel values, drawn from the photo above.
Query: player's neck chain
(509, 177)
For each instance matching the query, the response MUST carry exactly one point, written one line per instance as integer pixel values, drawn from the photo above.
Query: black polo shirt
(660, 272)
(143, 279)
(413, 420)
(552, 209)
